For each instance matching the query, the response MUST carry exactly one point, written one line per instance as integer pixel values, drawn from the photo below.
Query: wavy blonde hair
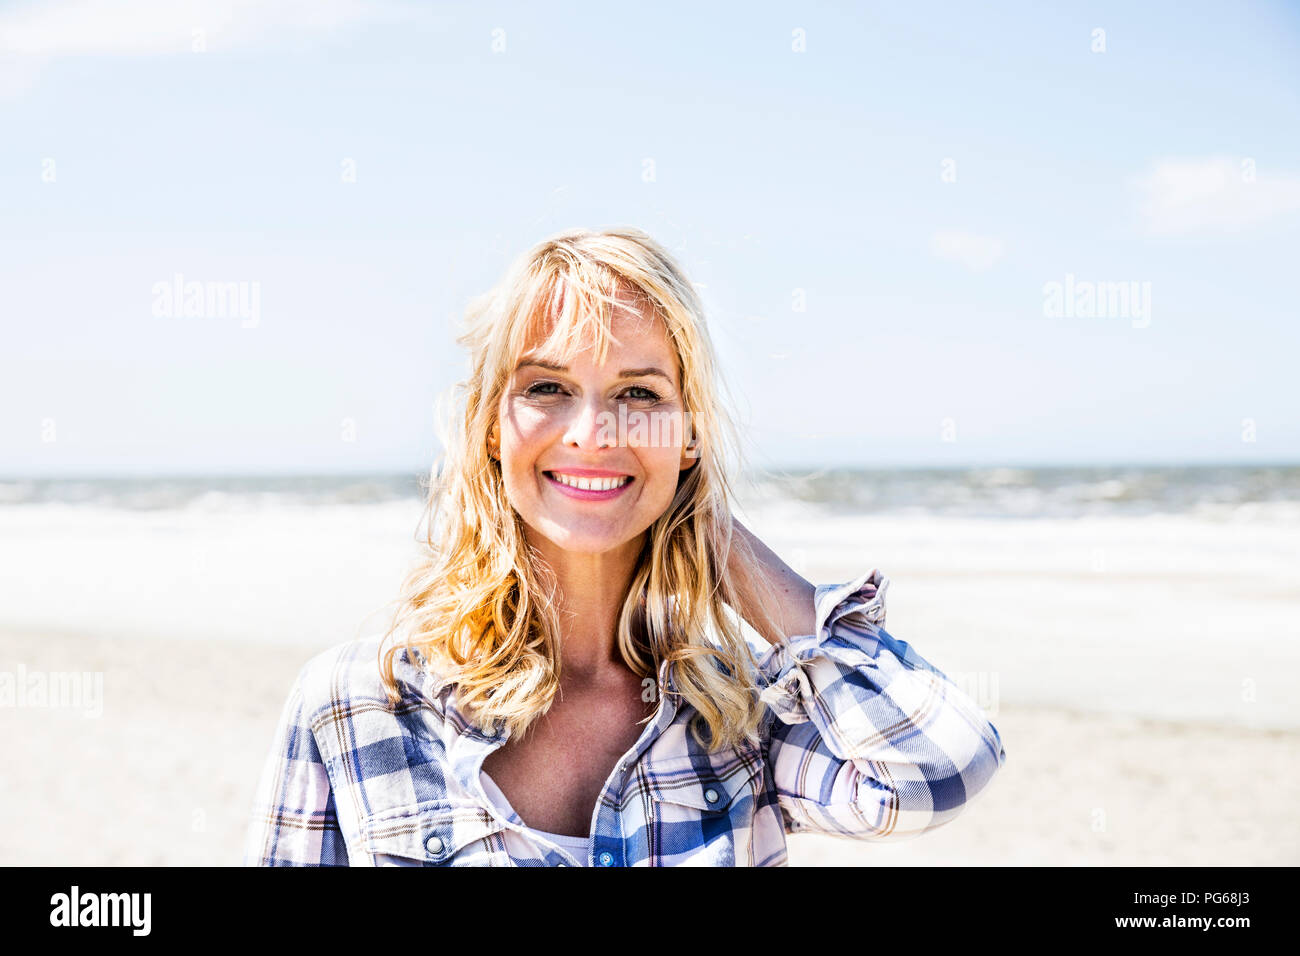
(480, 606)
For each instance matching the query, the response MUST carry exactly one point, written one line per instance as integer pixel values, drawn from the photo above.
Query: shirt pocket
(708, 786)
(702, 808)
(434, 833)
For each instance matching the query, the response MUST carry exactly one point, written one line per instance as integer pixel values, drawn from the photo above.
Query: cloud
(1214, 195)
(976, 253)
(34, 34)
(78, 27)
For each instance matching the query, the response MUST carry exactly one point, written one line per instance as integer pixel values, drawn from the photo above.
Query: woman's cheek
(531, 424)
(665, 469)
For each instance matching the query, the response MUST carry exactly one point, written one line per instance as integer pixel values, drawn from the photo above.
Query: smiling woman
(553, 440)
(567, 680)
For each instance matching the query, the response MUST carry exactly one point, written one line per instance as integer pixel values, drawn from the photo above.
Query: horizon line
(775, 468)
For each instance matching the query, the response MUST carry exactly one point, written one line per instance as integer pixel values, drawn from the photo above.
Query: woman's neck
(591, 589)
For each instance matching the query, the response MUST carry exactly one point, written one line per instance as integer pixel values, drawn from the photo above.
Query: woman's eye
(646, 395)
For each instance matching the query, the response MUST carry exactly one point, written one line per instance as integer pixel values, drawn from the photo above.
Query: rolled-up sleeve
(294, 821)
(870, 741)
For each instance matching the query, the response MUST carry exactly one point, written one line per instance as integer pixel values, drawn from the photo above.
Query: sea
(1217, 492)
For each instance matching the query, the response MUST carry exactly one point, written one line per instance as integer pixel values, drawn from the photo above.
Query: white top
(578, 847)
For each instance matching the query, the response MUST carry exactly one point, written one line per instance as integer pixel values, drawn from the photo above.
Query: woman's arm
(870, 740)
(790, 597)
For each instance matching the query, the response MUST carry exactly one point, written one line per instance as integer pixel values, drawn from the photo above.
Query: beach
(1139, 669)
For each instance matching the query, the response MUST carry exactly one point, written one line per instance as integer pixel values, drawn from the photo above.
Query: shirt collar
(469, 743)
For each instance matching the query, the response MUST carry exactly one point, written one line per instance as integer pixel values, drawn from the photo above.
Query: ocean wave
(1218, 493)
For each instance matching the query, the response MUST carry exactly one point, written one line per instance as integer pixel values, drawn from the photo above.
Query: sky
(925, 234)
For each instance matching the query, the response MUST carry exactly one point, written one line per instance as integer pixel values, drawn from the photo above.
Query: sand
(1139, 671)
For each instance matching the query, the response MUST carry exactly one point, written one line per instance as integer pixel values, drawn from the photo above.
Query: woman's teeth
(590, 484)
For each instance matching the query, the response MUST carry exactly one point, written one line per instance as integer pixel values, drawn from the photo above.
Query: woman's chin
(586, 544)
(574, 540)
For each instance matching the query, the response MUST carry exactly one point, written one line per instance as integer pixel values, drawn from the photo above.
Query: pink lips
(588, 494)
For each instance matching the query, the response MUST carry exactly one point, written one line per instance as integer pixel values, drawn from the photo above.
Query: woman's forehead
(634, 330)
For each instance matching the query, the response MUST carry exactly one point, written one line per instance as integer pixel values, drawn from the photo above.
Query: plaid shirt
(875, 743)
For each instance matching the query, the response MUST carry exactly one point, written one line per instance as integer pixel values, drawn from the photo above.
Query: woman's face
(561, 426)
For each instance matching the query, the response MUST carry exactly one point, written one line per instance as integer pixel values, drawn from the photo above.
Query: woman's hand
(768, 581)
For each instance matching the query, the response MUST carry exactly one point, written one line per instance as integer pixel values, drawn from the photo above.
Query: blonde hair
(480, 605)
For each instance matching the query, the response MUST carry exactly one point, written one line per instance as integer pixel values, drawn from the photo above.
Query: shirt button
(561, 863)
(711, 795)
(434, 844)
(606, 859)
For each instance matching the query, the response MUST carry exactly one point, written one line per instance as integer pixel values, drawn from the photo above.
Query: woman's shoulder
(376, 751)
(348, 674)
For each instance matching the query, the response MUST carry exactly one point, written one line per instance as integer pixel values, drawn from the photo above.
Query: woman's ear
(494, 443)
(690, 454)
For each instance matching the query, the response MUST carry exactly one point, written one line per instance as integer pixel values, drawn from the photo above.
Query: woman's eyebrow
(626, 373)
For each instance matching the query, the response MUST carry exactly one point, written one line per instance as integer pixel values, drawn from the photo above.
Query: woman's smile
(589, 487)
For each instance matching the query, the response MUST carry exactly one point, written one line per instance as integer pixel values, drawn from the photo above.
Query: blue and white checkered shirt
(875, 744)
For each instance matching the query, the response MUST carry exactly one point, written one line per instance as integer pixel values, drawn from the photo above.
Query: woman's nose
(588, 426)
